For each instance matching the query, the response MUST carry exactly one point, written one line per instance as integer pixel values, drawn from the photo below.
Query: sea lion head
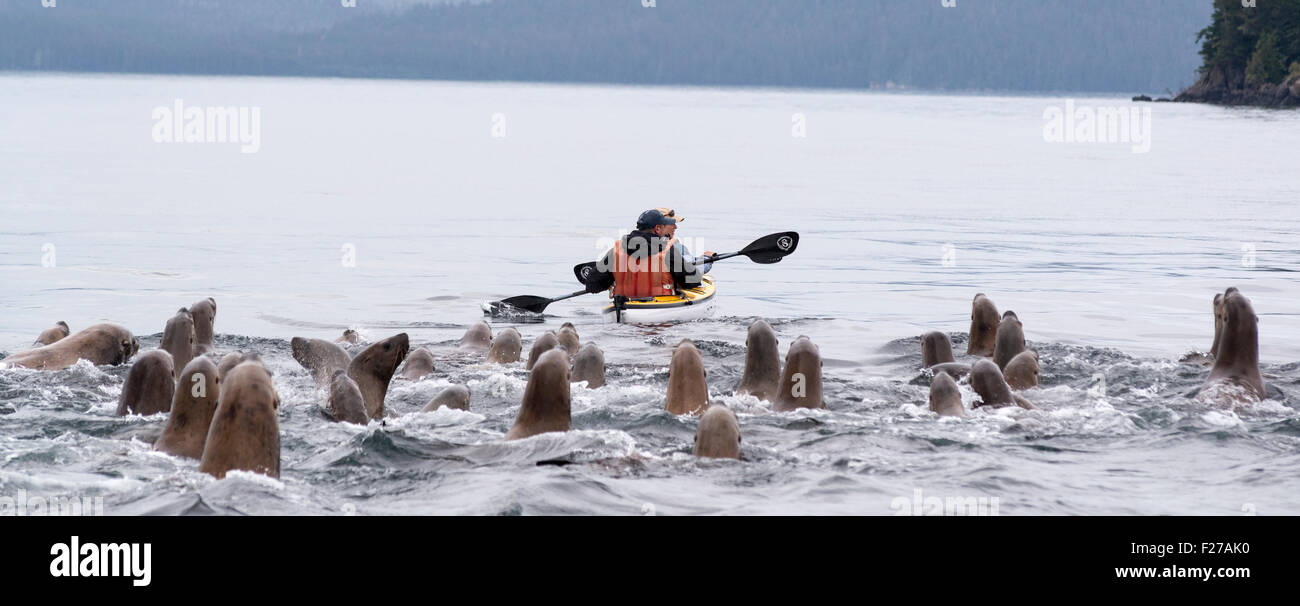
(373, 368)
(506, 347)
(149, 385)
(542, 345)
(546, 405)
(945, 398)
(718, 435)
(1218, 323)
(193, 405)
(568, 338)
(936, 348)
(589, 366)
(478, 337)
(345, 400)
(418, 365)
(987, 381)
(204, 313)
(762, 375)
(454, 397)
(178, 337)
(688, 388)
(1010, 340)
(245, 430)
(801, 381)
(1023, 370)
(983, 326)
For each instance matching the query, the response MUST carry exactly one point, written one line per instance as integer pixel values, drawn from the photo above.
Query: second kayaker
(649, 262)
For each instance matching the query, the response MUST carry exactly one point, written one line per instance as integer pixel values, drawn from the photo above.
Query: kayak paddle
(766, 250)
(529, 303)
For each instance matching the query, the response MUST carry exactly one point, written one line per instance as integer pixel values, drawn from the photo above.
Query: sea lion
(936, 348)
(230, 361)
(349, 336)
(149, 385)
(801, 382)
(542, 345)
(1010, 340)
(987, 381)
(373, 368)
(955, 369)
(345, 402)
(456, 396)
(589, 366)
(945, 398)
(718, 435)
(418, 365)
(53, 334)
(762, 376)
(1218, 323)
(568, 338)
(546, 398)
(506, 347)
(477, 338)
(178, 338)
(1022, 371)
(319, 356)
(1237, 361)
(245, 431)
(101, 344)
(192, 408)
(204, 313)
(983, 326)
(688, 389)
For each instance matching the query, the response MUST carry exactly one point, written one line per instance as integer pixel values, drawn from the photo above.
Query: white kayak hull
(693, 304)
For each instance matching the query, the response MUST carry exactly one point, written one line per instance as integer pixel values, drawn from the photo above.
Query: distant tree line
(1259, 43)
(1018, 45)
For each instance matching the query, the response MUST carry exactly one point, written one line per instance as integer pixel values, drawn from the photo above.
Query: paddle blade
(584, 272)
(525, 302)
(772, 248)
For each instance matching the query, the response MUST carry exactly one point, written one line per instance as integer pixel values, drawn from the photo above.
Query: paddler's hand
(709, 253)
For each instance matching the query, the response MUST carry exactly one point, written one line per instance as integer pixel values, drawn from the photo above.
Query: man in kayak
(649, 262)
(672, 233)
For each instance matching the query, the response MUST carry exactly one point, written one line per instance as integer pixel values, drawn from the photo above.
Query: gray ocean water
(394, 206)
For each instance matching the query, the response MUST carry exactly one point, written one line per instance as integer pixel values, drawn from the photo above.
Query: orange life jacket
(643, 275)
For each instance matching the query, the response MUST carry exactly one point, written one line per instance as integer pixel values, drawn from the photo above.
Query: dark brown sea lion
(477, 338)
(542, 345)
(936, 348)
(53, 334)
(956, 369)
(101, 344)
(197, 393)
(1022, 371)
(568, 338)
(204, 313)
(1218, 323)
(546, 398)
(801, 381)
(945, 398)
(245, 431)
(718, 435)
(1237, 361)
(319, 356)
(456, 396)
(1010, 340)
(373, 368)
(762, 376)
(178, 338)
(688, 388)
(345, 401)
(983, 326)
(987, 381)
(149, 385)
(589, 366)
(418, 365)
(506, 347)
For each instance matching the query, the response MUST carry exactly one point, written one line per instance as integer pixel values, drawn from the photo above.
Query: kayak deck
(693, 304)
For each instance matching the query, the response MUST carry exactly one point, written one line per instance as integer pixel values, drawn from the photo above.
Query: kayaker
(672, 233)
(648, 262)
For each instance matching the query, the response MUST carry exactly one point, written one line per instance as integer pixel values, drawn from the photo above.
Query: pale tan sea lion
(230, 361)
(101, 344)
(546, 398)
(204, 313)
(1022, 371)
(718, 435)
(373, 368)
(688, 388)
(506, 347)
(1010, 340)
(319, 356)
(53, 334)
(568, 338)
(149, 385)
(197, 393)
(455, 396)
(983, 326)
(418, 365)
(801, 381)
(542, 345)
(1237, 362)
(345, 402)
(987, 381)
(936, 348)
(245, 431)
(589, 366)
(178, 338)
(349, 336)
(762, 376)
(945, 398)
(477, 338)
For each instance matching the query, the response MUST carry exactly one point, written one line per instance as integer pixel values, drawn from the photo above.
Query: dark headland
(1251, 55)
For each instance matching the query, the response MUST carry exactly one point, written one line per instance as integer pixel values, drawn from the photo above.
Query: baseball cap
(653, 217)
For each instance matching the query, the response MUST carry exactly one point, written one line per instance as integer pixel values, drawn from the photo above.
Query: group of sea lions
(225, 413)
